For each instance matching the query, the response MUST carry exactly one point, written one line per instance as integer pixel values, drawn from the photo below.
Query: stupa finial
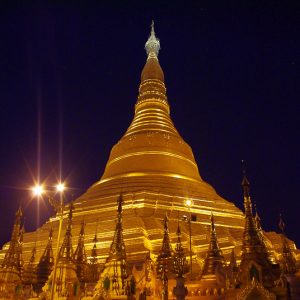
(281, 224)
(152, 45)
(152, 28)
(245, 181)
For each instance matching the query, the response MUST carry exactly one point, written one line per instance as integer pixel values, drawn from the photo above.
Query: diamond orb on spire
(152, 45)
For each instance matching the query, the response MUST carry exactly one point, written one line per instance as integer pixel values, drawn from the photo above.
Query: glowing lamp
(60, 187)
(188, 202)
(38, 190)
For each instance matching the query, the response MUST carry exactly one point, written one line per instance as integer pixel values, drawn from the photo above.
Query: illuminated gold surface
(155, 170)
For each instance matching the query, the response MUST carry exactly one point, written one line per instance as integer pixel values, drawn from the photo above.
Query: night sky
(69, 76)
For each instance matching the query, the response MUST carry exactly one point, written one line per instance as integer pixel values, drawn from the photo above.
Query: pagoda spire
(151, 130)
(66, 250)
(179, 255)
(180, 267)
(165, 259)
(255, 258)
(46, 263)
(13, 256)
(152, 94)
(152, 45)
(113, 280)
(166, 249)
(12, 265)
(251, 238)
(214, 258)
(65, 277)
(117, 248)
(93, 263)
(80, 256)
(288, 261)
(94, 253)
(212, 277)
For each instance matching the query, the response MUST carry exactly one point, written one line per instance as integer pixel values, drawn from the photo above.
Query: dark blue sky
(72, 69)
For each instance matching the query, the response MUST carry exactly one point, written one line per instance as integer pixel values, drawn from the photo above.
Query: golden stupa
(155, 171)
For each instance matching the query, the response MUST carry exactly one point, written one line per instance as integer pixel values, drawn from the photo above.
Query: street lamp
(189, 203)
(60, 187)
(38, 191)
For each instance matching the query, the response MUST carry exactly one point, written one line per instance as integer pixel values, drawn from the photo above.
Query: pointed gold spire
(117, 248)
(152, 141)
(253, 240)
(66, 250)
(45, 265)
(214, 258)
(251, 236)
(113, 280)
(180, 264)
(80, 257)
(212, 277)
(13, 256)
(93, 263)
(64, 273)
(152, 91)
(12, 265)
(165, 259)
(166, 249)
(254, 250)
(94, 254)
(180, 267)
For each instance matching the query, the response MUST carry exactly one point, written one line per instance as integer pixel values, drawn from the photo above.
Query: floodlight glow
(60, 187)
(38, 190)
(188, 202)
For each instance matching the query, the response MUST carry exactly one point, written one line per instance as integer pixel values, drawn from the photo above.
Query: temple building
(151, 227)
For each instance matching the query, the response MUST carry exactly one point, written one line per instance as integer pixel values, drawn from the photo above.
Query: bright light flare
(60, 187)
(38, 190)
(188, 202)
